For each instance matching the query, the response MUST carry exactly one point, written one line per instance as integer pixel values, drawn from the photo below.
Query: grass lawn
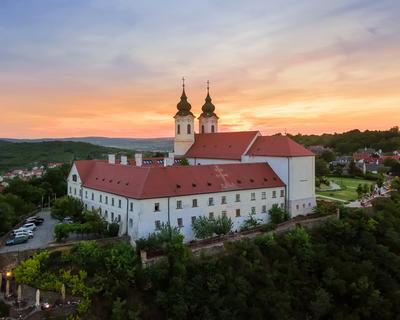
(348, 191)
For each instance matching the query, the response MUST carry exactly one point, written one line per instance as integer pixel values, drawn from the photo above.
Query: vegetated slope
(25, 155)
(353, 140)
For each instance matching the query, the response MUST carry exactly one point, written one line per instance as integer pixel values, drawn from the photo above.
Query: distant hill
(150, 144)
(350, 141)
(25, 155)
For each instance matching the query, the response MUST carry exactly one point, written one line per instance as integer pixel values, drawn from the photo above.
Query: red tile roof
(277, 146)
(221, 145)
(156, 182)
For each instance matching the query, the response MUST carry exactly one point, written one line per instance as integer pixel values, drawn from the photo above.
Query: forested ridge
(353, 140)
(26, 155)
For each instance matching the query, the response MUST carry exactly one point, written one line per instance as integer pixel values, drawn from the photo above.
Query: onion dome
(208, 108)
(183, 106)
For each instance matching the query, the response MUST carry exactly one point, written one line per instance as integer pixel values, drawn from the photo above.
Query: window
(86, 194)
(157, 206)
(131, 208)
(263, 195)
(309, 204)
(106, 214)
(119, 218)
(223, 200)
(212, 129)
(297, 207)
(253, 210)
(74, 178)
(211, 201)
(237, 212)
(100, 210)
(237, 197)
(112, 216)
(86, 206)
(70, 190)
(253, 196)
(112, 202)
(106, 199)
(92, 196)
(178, 129)
(264, 208)
(179, 204)
(74, 191)
(202, 129)
(211, 215)
(194, 203)
(189, 129)
(223, 213)
(101, 198)
(180, 222)
(282, 205)
(119, 203)
(80, 192)
(304, 205)
(92, 208)
(193, 219)
(282, 193)
(157, 224)
(274, 194)
(130, 223)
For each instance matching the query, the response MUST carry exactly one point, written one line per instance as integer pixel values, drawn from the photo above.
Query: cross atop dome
(183, 106)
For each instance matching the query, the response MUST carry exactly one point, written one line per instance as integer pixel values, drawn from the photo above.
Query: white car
(21, 229)
(27, 233)
(29, 226)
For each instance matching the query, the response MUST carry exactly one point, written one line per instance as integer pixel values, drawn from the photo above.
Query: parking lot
(43, 235)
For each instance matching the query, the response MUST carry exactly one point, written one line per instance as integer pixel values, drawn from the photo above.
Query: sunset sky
(113, 68)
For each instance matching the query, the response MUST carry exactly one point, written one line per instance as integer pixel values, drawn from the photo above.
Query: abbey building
(234, 174)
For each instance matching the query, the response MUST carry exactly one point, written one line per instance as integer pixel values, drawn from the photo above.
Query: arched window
(189, 129)
(202, 128)
(179, 129)
(212, 129)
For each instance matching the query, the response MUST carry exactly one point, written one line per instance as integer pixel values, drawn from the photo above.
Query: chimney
(138, 159)
(124, 160)
(111, 158)
(169, 161)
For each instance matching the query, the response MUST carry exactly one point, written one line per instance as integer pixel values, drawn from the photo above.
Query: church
(209, 173)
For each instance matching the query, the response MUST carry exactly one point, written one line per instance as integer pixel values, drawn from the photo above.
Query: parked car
(19, 230)
(30, 226)
(27, 233)
(37, 221)
(17, 240)
(68, 220)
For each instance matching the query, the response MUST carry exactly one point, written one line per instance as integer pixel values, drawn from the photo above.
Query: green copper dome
(184, 106)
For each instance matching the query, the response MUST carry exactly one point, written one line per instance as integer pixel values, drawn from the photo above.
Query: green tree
(328, 156)
(277, 215)
(321, 167)
(360, 191)
(203, 227)
(67, 207)
(6, 216)
(222, 225)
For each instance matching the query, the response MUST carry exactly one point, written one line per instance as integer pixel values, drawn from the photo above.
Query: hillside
(148, 144)
(25, 155)
(351, 141)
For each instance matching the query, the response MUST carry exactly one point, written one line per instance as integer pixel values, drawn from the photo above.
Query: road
(43, 235)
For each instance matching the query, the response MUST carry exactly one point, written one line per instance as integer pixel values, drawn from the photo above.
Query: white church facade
(234, 174)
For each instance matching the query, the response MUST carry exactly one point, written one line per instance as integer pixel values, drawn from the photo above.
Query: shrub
(67, 207)
(113, 229)
(277, 215)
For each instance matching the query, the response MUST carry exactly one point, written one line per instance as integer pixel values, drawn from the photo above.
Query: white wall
(144, 216)
(208, 122)
(183, 141)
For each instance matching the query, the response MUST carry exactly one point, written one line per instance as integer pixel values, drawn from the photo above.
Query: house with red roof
(234, 174)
